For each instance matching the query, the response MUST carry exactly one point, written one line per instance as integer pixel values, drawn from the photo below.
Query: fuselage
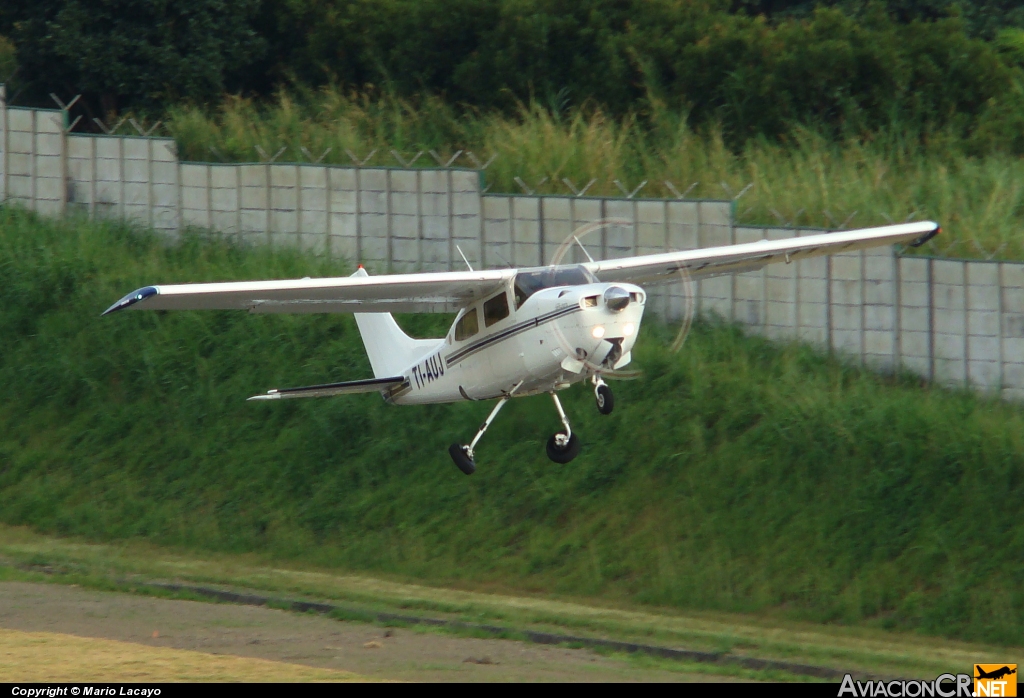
(546, 339)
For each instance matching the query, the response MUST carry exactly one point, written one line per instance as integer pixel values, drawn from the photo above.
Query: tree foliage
(756, 67)
(752, 75)
(983, 17)
(132, 52)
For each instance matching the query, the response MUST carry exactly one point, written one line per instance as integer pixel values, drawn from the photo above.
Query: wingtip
(927, 236)
(131, 299)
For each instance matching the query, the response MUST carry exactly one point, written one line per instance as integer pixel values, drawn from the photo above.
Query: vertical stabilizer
(389, 349)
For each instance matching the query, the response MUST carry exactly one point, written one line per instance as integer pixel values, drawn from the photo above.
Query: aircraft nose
(616, 298)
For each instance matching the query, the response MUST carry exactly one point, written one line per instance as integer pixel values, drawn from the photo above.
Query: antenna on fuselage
(464, 258)
(582, 248)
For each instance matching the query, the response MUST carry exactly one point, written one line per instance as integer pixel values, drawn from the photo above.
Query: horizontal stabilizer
(370, 385)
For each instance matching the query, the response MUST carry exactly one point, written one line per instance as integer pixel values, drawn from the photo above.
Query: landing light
(598, 331)
(628, 329)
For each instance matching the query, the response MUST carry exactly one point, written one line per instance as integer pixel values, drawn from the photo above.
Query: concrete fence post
(4, 144)
(967, 325)
(389, 223)
(931, 319)
(149, 181)
(120, 178)
(829, 341)
(267, 194)
(419, 219)
(1000, 334)
(92, 178)
(298, 206)
(897, 313)
(861, 348)
(33, 139)
(359, 216)
(65, 172)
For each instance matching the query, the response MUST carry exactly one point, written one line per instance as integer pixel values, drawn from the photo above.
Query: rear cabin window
(496, 309)
(467, 326)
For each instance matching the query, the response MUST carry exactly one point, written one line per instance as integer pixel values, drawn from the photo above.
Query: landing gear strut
(603, 394)
(463, 455)
(563, 446)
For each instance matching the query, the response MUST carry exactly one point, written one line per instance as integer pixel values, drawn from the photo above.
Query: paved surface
(317, 641)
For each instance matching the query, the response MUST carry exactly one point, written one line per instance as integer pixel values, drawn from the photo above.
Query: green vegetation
(736, 475)
(863, 108)
(855, 68)
(130, 53)
(808, 180)
(982, 17)
(8, 60)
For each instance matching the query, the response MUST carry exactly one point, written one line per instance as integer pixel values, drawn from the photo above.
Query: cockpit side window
(467, 326)
(529, 282)
(496, 309)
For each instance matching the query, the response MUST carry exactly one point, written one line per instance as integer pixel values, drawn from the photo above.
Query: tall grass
(806, 180)
(735, 475)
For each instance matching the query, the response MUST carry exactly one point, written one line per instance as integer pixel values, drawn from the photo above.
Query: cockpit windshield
(529, 282)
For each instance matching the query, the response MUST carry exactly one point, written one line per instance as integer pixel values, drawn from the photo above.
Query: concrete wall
(957, 322)
(396, 219)
(32, 163)
(131, 178)
(953, 321)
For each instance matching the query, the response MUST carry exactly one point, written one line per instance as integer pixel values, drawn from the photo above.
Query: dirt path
(49, 657)
(304, 639)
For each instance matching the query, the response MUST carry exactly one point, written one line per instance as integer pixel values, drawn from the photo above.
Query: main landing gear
(562, 447)
(463, 455)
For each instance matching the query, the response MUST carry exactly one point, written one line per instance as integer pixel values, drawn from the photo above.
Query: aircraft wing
(729, 259)
(442, 292)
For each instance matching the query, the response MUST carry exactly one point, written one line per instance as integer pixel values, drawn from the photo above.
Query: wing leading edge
(728, 259)
(447, 292)
(443, 292)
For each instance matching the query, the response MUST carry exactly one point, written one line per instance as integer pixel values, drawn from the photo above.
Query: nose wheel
(563, 446)
(604, 397)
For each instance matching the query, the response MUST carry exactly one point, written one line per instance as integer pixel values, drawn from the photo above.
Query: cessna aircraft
(518, 332)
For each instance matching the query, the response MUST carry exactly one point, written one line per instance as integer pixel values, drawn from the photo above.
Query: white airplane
(518, 332)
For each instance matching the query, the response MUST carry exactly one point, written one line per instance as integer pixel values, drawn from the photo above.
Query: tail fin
(389, 349)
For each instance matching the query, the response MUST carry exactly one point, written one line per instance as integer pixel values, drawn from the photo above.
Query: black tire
(605, 399)
(462, 459)
(563, 454)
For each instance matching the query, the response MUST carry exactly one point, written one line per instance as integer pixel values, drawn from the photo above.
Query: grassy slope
(735, 475)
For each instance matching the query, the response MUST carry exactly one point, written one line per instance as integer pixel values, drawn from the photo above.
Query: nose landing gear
(603, 395)
(563, 446)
